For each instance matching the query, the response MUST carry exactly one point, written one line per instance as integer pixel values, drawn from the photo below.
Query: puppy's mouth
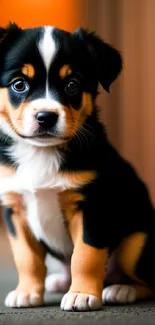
(44, 135)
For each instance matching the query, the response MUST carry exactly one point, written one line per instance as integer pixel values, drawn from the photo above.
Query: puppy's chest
(49, 194)
(40, 177)
(47, 221)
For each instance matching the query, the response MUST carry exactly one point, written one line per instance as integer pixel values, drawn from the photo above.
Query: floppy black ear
(2, 32)
(107, 59)
(9, 33)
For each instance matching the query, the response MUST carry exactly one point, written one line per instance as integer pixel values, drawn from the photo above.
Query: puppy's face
(48, 81)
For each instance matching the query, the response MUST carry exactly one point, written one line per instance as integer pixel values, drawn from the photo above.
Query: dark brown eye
(20, 85)
(72, 87)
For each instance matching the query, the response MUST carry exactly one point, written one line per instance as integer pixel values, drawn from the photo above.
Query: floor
(142, 313)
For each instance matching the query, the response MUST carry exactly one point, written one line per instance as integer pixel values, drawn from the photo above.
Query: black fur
(54, 253)
(108, 61)
(7, 215)
(117, 202)
(88, 66)
(145, 268)
(5, 143)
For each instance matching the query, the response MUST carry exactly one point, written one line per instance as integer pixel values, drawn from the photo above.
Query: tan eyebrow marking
(65, 71)
(28, 70)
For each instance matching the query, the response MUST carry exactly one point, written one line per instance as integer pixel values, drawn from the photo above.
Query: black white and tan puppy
(63, 186)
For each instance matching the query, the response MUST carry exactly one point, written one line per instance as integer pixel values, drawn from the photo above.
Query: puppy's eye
(72, 87)
(20, 85)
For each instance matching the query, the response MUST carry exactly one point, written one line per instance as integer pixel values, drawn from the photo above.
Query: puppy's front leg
(88, 272)
(28, 255)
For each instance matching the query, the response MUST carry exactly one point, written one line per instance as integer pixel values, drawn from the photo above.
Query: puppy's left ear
(108, 60)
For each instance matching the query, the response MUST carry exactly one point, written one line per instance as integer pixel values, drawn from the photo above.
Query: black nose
(46, 119)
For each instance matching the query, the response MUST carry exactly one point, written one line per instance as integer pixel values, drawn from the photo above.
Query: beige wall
(129, 112)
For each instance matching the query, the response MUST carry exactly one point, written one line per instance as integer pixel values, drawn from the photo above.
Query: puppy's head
(49, 80)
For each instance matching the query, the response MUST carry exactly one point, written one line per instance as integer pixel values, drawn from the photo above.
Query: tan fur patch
(65, 71)
(31, 270)
(76, 118)
(87, 103)
(6, 171)
(8, 113)
(88, 266)
(4, 100)
(28, 70)
(80, 178)
(129, 252)
(143, 292)
(69, 200)
(13, 200)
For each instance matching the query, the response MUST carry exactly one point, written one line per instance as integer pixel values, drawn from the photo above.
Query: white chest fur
(38, 179)
(46, 220)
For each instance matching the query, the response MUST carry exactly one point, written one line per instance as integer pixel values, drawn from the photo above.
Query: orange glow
(30, 13)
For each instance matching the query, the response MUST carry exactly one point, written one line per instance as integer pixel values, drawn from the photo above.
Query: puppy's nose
(46, 119)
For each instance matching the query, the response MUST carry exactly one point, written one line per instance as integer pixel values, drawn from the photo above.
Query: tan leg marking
(29, 258)
(129, 252)
(87, 270)
(127, 256)
(28, 254)
(143, 292)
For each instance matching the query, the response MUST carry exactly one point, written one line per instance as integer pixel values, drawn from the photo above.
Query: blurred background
(129, 25)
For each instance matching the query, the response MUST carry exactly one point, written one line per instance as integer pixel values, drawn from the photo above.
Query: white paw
(73, 301)
(58, 282)
(23, 299)
(119, 294)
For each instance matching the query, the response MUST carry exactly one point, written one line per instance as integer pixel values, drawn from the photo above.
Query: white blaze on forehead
(47, 47)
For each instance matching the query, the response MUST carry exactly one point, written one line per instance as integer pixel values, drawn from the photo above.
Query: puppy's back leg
(126, 294)
(59, 275)
(133, 257)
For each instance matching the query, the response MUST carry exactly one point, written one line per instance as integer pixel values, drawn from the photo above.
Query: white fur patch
(38, 170)
(58, 282)
(46, 220)
(75, 301)
(37, 178)
(47, 47)
(23, 299)
(119, 294)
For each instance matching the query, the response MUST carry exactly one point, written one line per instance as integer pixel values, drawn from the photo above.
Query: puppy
(64, 188)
